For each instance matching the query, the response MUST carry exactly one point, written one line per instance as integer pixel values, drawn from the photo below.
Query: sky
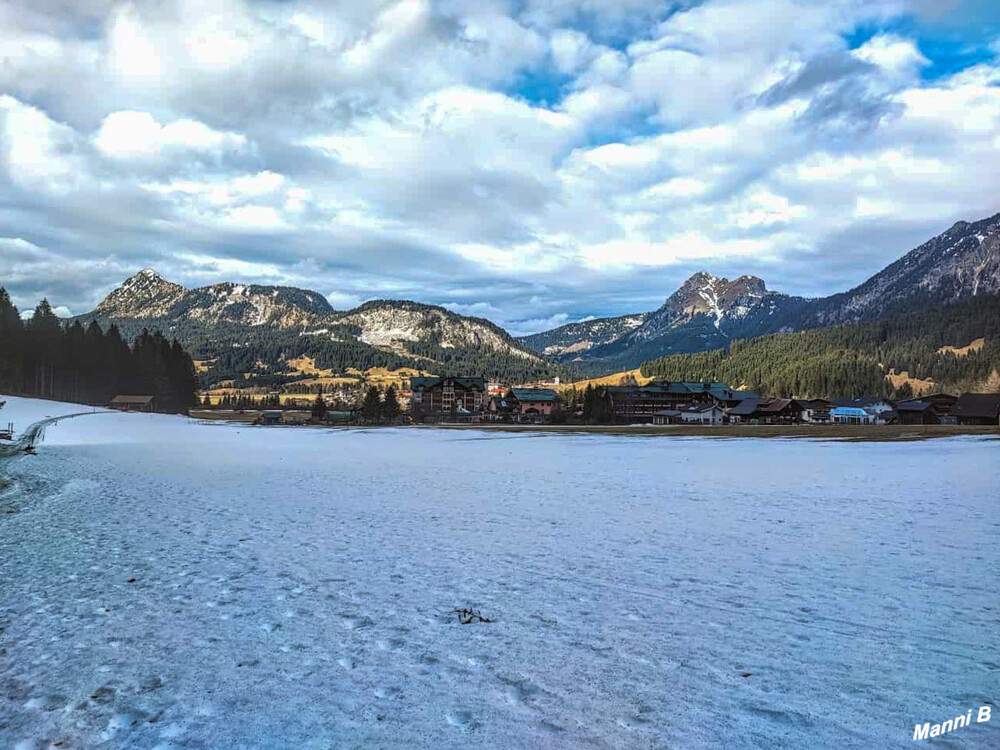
(534, 162)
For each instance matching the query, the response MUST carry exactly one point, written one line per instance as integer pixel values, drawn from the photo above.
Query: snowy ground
(165, 583)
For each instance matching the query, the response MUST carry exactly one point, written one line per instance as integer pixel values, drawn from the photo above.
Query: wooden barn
(133, 403)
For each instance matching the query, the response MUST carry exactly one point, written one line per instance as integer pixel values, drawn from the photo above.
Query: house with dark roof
(942, 403)
(977, 409)
(502, 409)
(133, 403)
(812, 410)
(639, 404)
(916, 411)
(440, 398)
(765, 411)
(535, 404)
(727, 397)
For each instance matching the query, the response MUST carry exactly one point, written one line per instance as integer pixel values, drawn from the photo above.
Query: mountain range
(708, 312)
(238, 328)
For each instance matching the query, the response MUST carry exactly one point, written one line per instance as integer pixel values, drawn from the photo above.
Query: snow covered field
(165, 583)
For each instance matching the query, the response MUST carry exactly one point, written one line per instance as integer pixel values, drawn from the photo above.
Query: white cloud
(534, 150)
(131, 134)
(39, 152)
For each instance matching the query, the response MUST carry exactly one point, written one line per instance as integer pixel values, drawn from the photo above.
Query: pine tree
(371, 409)
(319, 407)
(390, 406)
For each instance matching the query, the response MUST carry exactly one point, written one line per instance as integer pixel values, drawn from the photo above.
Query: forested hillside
(247, 333)
(261, 352)
(854, 359)
(41, 357)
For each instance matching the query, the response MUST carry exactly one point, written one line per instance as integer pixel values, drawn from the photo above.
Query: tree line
(854, 359)
(375, 409)
(237, 351)
(42, 357)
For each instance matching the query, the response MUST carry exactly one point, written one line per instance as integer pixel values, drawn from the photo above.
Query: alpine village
(917, 344)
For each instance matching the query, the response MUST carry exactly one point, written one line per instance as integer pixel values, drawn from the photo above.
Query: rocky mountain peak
(146, 294)
(705, 294)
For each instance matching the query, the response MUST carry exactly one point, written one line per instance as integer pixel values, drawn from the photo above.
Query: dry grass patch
(306, 366)
(961, 351)
(619, 378)
(899, 378)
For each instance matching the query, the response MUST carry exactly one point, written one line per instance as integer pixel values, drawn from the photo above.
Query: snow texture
(171, 584)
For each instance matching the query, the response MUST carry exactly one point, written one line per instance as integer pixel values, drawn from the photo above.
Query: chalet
(536, 403)
(727, 398)
(765, 411)
(702, 414)
(977, 409)
(502, 408)
(812, 410)
(915, 411)
(941, 403)
(442, 396)
(133, 403)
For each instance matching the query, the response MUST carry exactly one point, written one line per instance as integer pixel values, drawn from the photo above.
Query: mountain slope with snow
(242, 325)
(707, 312)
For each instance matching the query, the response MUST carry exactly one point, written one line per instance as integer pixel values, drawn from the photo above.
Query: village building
(931, 408)
(441, 397)
(709, 414)
(977, 409)
(640, 404)
(874, 404)
(855, 415)
(765, 411)
(535, 403)
(502, 409)
(668, 416)
(133, 403)
(340, 417)
(448, 399)
(270, 417)
(812, 410)
(727, 397)
(916, 412)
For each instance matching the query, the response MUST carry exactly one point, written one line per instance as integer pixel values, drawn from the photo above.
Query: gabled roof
(812, 403)
(773, 405)
(930, 396)
(916, 406)
(132, 400)
(859, 402)
(979, 405)
(699, 408)
(728, 394)
(745, 408)
(535, 394)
